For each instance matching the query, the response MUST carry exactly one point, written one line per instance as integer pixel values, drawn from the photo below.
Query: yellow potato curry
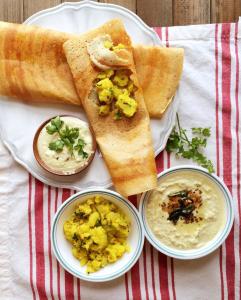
(116, 90)
(98, 232)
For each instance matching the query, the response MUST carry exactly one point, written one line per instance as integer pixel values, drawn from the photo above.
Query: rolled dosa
(159, 71)
(126, 144)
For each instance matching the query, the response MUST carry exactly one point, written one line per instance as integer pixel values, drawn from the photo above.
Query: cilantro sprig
(181, 145)
(67, 137)
(80, 148)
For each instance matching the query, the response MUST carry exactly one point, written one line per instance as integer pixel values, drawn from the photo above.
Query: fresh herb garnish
(70, 133)
(57, 145)
(55, 125)
(117, 115)
(80, 148)
(181, 205)
(180, 144)
(67, 137)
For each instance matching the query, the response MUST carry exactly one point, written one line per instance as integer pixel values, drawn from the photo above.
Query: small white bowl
(211, 245)
(62, 248)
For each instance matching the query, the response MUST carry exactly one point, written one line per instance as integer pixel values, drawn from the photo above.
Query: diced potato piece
(118, 47)
(105, 96)
(105, 74)
(104, 110)
(93, 218)
(104, 84)
(121, 78)
(127, 105)
(108, 44)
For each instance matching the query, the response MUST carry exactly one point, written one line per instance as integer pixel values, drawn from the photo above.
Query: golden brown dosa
(159, 71)
(33, 66)
(126, 144)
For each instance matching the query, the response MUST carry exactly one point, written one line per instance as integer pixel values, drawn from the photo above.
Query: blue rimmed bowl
(212, 244)
(62, 248)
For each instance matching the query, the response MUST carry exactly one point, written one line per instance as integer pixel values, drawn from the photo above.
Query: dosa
(33, 67)
(126, 144)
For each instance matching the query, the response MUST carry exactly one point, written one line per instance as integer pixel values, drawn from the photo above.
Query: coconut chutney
(207, 218)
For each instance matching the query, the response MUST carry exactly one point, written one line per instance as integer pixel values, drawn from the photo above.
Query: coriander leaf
(181, 145)
(72, 134)
(81, 143)
(197, 142)
(68, 144)
(57, 145)
(51, 129)
(79, 147)
(54, 126)
(64, 132)
(206, 132)
(117, 115)
(197, 130)
(201, 131)
(173, 142)
(84, 154)
(57, 122)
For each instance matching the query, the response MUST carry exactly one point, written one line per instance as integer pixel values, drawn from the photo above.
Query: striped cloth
(209, 95)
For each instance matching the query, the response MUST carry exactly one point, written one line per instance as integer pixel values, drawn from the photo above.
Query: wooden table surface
(153, 12)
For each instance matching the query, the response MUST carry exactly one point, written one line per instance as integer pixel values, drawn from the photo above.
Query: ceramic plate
(62, 248)
(212, 244)
(20, 121)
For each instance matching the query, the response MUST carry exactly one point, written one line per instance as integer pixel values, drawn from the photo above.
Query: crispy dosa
(33, 66)
(126, 144)
(159, 71)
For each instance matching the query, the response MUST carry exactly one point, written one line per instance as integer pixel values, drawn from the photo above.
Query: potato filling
(98, 231)
(115, 92)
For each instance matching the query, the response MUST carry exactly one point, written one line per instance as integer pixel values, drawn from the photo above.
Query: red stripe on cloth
(133, 200)
(153, 274)
(69, 279)
(217, 98)
(58, 268)
(135, 282)
(30, 234)
(127, 287)
(78, 289)
(39, 240)
(145, 271)
(163, 276)
(173, 279)
(135, 271)
(221, 270)
(160, 162)
(227, 149)
(237, 132)
(158, 31)
(49, 244)
(217, 145)
(167, 37)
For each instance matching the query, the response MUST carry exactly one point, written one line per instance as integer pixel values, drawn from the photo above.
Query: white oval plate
(19, 121)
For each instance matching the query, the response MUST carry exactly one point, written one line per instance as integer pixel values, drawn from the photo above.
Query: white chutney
(63, 161)
(185, 236)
